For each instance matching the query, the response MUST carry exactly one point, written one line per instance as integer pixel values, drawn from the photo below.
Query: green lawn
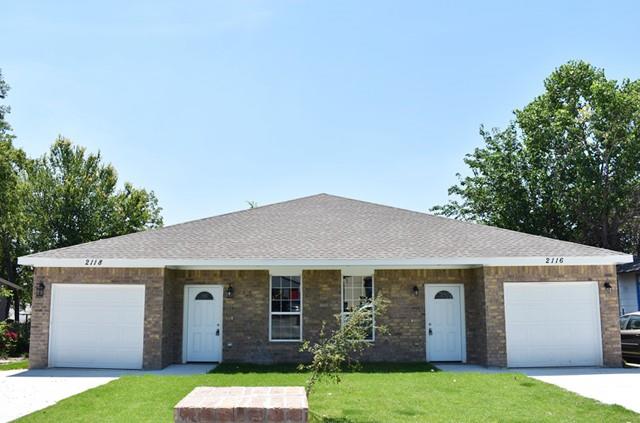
(378, 393)
(14, 365)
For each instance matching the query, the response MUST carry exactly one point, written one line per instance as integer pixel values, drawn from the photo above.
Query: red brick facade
(153, 279)
(246, 315)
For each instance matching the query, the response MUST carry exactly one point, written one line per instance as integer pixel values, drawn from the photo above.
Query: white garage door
(99, 326)
(552, 324)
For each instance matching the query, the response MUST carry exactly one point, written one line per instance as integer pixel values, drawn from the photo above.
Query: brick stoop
(243, 404)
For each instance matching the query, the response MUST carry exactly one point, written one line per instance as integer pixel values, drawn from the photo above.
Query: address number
(93, 262)
(554, 260)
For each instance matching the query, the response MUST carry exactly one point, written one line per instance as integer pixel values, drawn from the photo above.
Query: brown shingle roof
(324, 227)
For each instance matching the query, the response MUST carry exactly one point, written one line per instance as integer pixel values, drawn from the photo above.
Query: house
(249, 286)
(629, 286)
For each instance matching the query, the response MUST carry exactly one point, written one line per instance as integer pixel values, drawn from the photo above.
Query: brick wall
(494, 278)
(405, 317)
(321, 302)
(153, 279)
(246, 315)
(475, 304)
(245, 332)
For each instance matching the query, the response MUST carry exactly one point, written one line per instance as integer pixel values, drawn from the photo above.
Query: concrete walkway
(609, 386)
(24, 391)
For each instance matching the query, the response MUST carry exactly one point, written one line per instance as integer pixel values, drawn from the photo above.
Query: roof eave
(326, 263)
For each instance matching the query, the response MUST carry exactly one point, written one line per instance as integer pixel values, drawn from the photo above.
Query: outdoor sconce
(40, 289)
(416, 291)
(229, 291)
(608, 287)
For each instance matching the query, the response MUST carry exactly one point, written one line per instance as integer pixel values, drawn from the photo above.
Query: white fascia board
(427, 262)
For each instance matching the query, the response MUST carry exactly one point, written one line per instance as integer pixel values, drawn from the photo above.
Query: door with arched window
(445, 322)
(203, 321)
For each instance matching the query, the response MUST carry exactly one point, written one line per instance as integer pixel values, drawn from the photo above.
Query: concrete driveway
(609, 386)
(24, 391)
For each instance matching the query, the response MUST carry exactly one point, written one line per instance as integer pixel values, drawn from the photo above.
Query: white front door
(203, 323)
(444, 322)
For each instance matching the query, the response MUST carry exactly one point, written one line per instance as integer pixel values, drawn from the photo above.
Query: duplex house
(249, 286)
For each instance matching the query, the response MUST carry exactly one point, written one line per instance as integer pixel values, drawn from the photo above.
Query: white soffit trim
(426, 262)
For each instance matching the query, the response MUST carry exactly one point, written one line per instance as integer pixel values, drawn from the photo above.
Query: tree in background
(75, 199)
(66, 197)
(12, 192)
(567, 167)
(4, 109)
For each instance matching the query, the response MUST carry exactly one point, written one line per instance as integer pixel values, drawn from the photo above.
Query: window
(204, 295)
(285, 320)
(443, 295)
(623, 322)
(357, 291)
(634, 323)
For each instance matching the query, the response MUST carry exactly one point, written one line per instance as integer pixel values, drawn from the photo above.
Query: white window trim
(373, 293)
(286, 313)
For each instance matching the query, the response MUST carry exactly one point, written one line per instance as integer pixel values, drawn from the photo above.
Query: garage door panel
(552, 324)
(97, 326)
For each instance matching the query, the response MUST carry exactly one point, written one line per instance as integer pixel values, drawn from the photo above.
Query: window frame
(446, 295)
(373, 294)
(285, 313)
(632, 318)
(623, 322)
(206, 297)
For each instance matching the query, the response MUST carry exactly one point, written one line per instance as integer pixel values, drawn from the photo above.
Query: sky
(212, 104)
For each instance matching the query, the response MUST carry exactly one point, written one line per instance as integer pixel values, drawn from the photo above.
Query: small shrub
(24, 335)
(342, 348)
(14, 339)
(8, 340)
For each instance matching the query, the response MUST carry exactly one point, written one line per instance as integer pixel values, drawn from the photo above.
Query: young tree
(340, 349)
(567, 167)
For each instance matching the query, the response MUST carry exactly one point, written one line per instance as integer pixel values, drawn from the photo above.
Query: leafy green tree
(12, 214)
(567, 167)
(133, 210)
(75, 199)
(12, 194)
(65, 197)
(4, 109)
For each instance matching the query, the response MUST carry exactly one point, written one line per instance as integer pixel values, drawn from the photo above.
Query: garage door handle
(218, 332)
(430, 332)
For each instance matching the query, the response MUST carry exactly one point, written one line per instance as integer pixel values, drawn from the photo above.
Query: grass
(15, 365)
(377, 393)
